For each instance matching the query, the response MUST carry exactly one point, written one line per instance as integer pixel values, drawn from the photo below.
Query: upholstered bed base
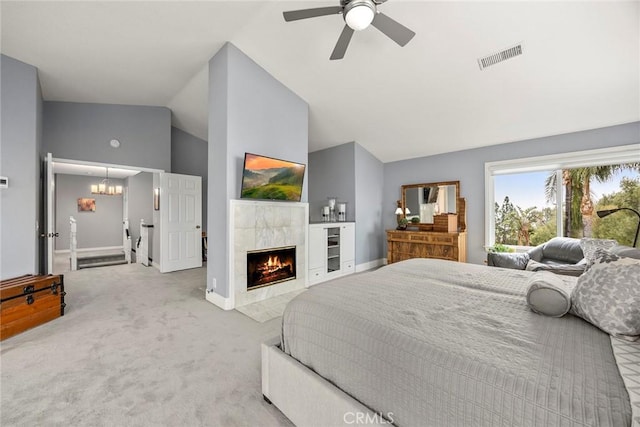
(306, 398)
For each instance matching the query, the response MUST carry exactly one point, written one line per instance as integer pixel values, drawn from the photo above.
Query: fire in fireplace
(270, 266)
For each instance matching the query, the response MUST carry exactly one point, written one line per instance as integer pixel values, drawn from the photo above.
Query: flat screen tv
(266, 178)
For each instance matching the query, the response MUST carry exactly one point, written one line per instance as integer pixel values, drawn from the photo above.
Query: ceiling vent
(507, 53)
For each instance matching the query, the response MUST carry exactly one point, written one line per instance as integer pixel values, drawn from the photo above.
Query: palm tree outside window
(526, 195)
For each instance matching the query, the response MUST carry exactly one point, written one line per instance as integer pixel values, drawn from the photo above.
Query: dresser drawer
(425, 237)
(348, 267)
(402, 245)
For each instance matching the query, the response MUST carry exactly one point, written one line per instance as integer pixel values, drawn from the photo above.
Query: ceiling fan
(357, 14)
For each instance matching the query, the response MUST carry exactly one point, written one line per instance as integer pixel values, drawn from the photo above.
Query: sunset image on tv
(271, 179)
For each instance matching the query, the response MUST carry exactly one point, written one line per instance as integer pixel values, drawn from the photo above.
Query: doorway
(103, 203)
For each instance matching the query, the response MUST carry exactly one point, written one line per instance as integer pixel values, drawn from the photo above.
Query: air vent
(508, 53)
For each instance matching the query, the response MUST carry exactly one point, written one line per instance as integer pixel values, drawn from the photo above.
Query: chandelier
(105, 187)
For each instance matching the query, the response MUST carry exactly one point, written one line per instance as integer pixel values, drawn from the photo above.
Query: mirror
(425, 200)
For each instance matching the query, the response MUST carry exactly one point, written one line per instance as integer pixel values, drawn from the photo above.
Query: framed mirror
(424, 200)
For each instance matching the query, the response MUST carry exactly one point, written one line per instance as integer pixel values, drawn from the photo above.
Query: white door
(180, 222)
(49, 232)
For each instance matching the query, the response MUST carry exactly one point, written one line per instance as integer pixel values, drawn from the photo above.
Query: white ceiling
(580, 68)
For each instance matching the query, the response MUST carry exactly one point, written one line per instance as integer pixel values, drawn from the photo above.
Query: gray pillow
(563, 269)
(626, 251)
(590, 246)
(608, 295)
(549, 294)
(516, 261)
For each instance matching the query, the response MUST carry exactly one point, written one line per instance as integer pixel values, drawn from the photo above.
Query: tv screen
(266, 178)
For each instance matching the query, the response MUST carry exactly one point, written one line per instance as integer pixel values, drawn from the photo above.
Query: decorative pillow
(516, 261)
(564, 269)
(590, 246)
(549, 294)
(608, 295)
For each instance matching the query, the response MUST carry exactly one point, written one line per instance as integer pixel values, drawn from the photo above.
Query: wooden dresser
(406, 244)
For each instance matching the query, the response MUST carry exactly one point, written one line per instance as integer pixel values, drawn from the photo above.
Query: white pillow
(549, 294)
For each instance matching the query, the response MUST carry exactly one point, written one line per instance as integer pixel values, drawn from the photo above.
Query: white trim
(370, 265)
(110, 165)
(100, 249)
(602, 156)
(217, 299)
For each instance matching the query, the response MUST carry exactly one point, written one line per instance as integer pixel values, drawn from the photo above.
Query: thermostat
(4, 182)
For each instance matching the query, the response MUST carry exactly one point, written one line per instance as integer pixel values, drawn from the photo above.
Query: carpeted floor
(137, 348)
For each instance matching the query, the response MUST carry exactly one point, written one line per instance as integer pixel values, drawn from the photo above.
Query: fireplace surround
(256, 226)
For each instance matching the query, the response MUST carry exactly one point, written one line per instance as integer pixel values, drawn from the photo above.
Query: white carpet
(137, 348)
(269, 309)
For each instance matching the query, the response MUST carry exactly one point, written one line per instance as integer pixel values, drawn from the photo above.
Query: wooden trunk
(29, 301)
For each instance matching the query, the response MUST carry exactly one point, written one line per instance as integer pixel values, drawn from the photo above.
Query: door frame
(50, 196)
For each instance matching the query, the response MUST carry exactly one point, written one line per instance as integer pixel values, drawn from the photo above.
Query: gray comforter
(438, 343)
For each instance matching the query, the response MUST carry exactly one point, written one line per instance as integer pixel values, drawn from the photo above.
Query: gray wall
(468, 167)
(370, 206)
(331, 173)
(80, 131)
(140, 188)
(249, 111)
(102, 228)
(21, 101)
(355, 176)
(189, 157)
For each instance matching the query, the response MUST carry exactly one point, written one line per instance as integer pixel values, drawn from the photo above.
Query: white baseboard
(81, 250)
(219, 300)
(370, 265)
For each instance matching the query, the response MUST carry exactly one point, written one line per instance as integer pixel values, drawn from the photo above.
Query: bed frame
(305, 397)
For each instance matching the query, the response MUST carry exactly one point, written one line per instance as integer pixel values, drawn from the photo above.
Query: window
(528, 201)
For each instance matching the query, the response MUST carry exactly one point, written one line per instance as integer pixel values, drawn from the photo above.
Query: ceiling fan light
(360, 15)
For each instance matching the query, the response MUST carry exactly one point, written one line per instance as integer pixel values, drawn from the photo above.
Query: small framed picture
(156, 199)
(86, 205)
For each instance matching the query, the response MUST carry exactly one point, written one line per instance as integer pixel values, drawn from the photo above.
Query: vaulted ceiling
(579, 68)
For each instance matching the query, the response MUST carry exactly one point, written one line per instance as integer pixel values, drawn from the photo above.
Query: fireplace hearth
(270, 266)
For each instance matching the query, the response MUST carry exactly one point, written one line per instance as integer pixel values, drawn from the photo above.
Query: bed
(432, 342)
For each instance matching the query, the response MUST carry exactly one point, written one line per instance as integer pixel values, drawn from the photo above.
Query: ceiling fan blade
(392, 29)
(342, 44)
(294, 15)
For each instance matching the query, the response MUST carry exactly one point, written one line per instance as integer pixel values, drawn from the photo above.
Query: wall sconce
(156, 199)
